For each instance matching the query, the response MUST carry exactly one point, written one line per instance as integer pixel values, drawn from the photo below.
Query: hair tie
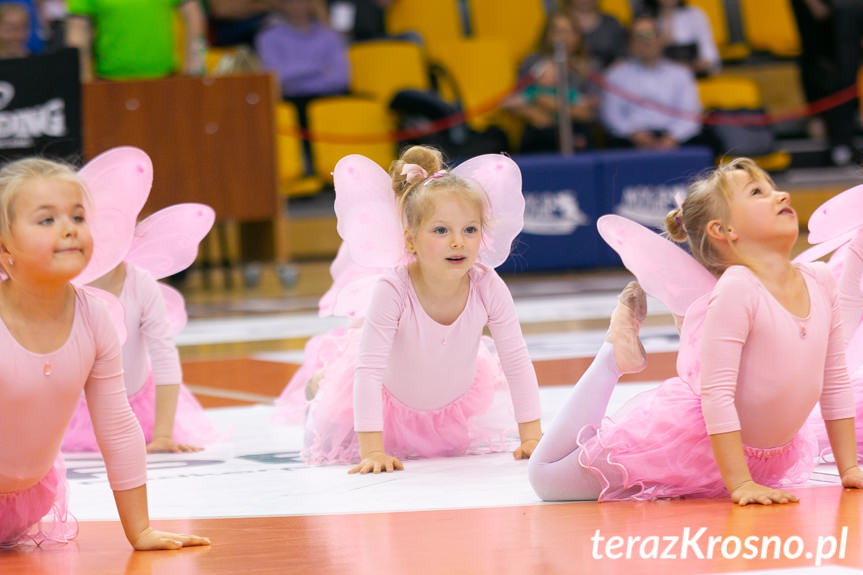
(436, 175)
(414, 173)
(678, 200)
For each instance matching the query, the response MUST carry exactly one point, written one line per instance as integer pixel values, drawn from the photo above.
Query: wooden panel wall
(211, 139)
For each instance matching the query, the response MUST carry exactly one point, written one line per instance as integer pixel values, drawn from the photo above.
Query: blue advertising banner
(561, 206)
(564, 196)
(641, 185)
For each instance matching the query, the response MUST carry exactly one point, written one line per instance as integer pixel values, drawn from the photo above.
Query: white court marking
(295, 325)
(258, 473)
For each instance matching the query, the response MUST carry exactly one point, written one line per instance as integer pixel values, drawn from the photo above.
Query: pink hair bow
(414, 173)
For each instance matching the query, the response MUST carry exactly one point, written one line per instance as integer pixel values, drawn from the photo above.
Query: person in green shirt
(135, 39)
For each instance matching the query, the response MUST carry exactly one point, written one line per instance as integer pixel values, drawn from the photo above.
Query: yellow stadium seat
(724, 92)
(770, 25)
(715, 11)
(349, 125)
(382, 68)
(437, 21)
(517, 23)
(482, 74)
(289, 155)
(620, 9)
(729, 93)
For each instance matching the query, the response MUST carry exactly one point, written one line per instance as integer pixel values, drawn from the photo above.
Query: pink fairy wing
(663, 269)
(837, 216)
(820, 250)
(367, 214)
(353, 298)
(167, 242)
(175, 308)
(115, 309)
(119, 182)
(345, 272)
(689, 351)
(500, 177)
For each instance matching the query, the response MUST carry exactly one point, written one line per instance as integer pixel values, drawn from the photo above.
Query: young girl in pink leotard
(416, 380)
(55, 340)
(735, 424)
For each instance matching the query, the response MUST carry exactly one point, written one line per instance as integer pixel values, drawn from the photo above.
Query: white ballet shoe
(626, 320)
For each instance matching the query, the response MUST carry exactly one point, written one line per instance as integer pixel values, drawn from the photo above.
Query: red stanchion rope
(493, 103)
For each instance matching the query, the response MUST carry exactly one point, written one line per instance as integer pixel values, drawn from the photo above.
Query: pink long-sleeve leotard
(426, 365)
(763, 368)
(149, 333)
(37, 402)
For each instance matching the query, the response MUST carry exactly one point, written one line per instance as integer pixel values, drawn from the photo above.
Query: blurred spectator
(538, 103)
(14, 30)
(687, 34)
(234, 22)
(34, 33)
(603, 35)
(359, 19)
(830, 34)
(54, 17)
(816, 61)
(669, 115)
(135, 39)
(847, 34)
(307, 56)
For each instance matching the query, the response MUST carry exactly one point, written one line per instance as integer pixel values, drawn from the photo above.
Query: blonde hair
(709, 199)
(15, 174)
(416, 199)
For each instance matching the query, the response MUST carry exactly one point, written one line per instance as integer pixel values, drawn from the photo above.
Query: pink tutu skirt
(191, 424)
(656, 446)
(38, 513)
(479, 421)
(320, 351)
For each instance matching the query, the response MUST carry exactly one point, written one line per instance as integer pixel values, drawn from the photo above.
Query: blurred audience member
(360, 20)
(830, 34)
(33, 35)
(847, 35)
(54, 15)
(233, 22)
(14, 30)
(307, 56)
(538, 103)
(603, 35)
(135, 39)
(816, 61)
(650, 102)
(687, 34)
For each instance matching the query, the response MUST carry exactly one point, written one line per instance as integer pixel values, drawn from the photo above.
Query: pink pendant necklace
(46, 371)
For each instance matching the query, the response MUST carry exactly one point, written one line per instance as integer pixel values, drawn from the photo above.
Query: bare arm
(79, 34)
(530, 432)
(843, 442)
(728, 451)
(163, 426)
(373, 456)
(132, 508)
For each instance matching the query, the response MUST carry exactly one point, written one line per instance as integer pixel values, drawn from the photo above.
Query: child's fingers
(190, 540)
